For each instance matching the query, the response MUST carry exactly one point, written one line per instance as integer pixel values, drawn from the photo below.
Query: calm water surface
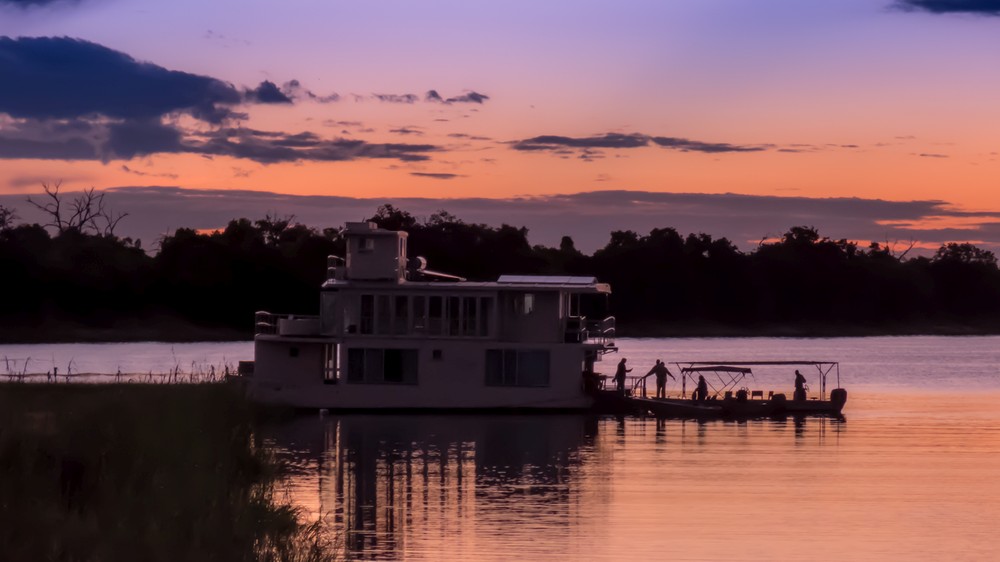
(912, 472)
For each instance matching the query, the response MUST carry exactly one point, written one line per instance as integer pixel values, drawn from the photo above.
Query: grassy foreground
(136, 472)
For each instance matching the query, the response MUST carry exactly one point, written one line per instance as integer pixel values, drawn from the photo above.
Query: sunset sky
(869, 119)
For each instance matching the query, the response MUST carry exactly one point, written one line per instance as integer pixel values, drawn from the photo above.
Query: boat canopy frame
(823, 369)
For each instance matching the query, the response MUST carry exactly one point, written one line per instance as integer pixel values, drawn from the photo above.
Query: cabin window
(383, 314)
(328, 318)
(437, 354)
(529, 304)
(367, 314)
(418, 316)
(454, 316)
(485, 309)
(377, 366)
(366, 244)
(399, 312)
(469, 316)
(330, 363)
(293, 352)
(436, 305)
(517, 367)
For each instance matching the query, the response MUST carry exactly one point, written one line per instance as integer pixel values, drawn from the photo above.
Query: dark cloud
(140, 173)
(293, 90)
(559, 145)
(587, 217)
(686, 145)
(34, 3)
(406, 131)
(141, 138)
(396, 98)
(468, 137)
(438, 176)
(932, 155)
(69, 149)
(610, 140)
(269, 148)
(978, 7)
(125, 140)
(69, 139)
(469, 97)
(61, 78)
(268, 92)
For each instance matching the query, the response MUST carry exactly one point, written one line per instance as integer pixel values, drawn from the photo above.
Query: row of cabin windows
(504, 367)
(423, 315)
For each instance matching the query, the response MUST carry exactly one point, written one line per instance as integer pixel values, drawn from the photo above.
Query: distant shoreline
(177, 331)
(169, 330)
(803, 330)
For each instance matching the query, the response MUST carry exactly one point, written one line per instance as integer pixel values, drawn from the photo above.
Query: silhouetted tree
(87, 276)
(7, 218)
(84, 212)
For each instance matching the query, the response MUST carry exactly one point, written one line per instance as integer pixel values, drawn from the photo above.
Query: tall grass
(141, 472)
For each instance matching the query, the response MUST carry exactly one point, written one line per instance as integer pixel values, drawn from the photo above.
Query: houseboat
(394, 335)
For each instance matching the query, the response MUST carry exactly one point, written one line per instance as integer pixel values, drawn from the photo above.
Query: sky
(868, 119)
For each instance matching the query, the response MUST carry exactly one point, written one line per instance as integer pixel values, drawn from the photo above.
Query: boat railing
(600, 331)
(266, 323)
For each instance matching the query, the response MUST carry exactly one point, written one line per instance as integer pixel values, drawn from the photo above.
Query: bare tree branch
(7, 218)
(54, 207)
(86, 212)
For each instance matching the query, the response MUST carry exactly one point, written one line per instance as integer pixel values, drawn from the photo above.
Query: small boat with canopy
(732, 390)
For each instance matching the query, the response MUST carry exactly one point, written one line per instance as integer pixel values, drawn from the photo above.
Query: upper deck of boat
(522, 283)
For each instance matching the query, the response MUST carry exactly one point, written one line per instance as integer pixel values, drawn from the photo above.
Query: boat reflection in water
(425, 483)
(487, 486)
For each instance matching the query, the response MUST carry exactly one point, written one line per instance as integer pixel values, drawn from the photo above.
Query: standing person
(701, 393)
(620, 376)
(800, 386)
(661, 371)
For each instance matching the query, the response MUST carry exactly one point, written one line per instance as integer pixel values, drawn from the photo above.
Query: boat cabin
(393, 334)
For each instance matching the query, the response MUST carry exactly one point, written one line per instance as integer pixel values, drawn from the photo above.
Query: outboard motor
(838, 397)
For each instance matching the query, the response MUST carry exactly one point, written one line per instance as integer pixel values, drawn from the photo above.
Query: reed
(141, 472)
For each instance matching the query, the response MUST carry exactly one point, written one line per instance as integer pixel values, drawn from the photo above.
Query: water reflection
(462, 487)
(390, 482)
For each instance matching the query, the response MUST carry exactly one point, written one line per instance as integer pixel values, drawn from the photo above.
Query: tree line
(81, 272)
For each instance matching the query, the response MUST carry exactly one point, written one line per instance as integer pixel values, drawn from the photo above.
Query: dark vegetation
(141, 472)
(78, 280)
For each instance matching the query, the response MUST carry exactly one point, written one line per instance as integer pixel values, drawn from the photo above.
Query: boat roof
(576, 287)
(547, 279)
(720, 364)
(717, 368)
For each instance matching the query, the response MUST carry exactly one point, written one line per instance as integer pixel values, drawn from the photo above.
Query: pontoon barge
(729, 397)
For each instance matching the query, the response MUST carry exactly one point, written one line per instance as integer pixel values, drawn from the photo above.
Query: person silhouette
(701, 393)
(800, 386)
(620, 376)
(661, 372)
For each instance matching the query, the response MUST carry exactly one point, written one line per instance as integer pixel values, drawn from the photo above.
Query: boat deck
(612, 401)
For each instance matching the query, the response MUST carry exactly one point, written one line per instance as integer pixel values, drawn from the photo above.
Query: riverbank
(158, 328)
(141, 472)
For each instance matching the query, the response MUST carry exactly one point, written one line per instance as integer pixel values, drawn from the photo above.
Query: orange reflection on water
(907, 475)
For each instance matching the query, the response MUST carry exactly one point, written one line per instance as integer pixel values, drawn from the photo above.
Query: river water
(911, 472)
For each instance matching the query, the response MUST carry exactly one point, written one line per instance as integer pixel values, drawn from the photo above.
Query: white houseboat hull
(451, 377)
